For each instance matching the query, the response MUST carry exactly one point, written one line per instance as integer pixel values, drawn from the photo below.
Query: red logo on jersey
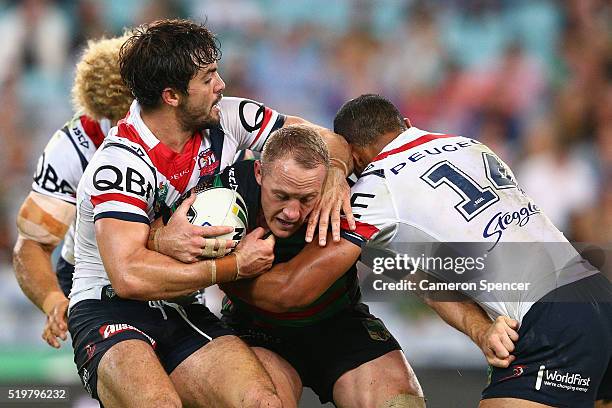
(109, 330)
(517, 371)
(207, 163)
(90, 349)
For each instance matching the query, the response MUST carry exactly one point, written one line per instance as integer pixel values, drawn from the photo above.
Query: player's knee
(261, 398)
(404, 401)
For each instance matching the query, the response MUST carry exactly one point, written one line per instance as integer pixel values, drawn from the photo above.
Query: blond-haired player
(47, 214)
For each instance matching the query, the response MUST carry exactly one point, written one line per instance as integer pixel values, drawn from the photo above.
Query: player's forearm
(339, 150)
(266, 294)
(268, 291)
(465, 316)
(148, 275)
(300, 281)
(34, 273)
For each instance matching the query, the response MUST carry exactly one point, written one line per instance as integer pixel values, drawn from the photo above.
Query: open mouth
(285, 224)
(215, 106)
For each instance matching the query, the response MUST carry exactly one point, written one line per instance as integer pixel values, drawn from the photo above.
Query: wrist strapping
(227, 268)
(213, 272)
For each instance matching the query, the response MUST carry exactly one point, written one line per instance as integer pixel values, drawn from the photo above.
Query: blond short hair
(98, 90)
(298, 142)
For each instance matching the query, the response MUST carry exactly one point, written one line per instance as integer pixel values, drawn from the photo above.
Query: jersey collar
(142, 130)
(143, 136)
(406, 136)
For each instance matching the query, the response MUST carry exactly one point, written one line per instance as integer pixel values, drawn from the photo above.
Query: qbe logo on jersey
(558, 379)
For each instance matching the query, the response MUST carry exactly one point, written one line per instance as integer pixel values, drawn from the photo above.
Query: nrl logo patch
(376, 329)
(109, 292)
(162, 194)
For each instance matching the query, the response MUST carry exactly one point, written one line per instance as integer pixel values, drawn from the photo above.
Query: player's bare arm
(39, 234)
(139, 273)
(304, 278)
(300, 281)
(336, 192)
(495, 338)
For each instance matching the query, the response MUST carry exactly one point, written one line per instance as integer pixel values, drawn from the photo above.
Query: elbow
(125, 285)
(127, 289)
(124, 288)
(126, 276)
(17, 250)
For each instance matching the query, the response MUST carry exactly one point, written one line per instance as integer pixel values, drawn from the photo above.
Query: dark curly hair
(166, 53)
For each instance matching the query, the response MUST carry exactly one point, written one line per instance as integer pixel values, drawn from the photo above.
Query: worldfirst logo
(569, 381)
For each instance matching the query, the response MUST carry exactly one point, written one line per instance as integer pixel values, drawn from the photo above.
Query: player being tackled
(327, 341)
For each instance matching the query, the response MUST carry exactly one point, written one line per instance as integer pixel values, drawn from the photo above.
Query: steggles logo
(501, 221)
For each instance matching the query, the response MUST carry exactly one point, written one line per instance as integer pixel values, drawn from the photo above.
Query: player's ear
(171, 97)
(258, 172)
(407, 122)
(358, 161)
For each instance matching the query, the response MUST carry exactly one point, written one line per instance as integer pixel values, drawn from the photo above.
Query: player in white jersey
(133, 346)
(563, 347)
(47, 214)
(425, 194)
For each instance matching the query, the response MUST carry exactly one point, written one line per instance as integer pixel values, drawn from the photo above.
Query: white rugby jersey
(428, 188)
(62, 163)
(133, 176)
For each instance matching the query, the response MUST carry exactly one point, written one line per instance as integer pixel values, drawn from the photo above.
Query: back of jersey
(424, 189)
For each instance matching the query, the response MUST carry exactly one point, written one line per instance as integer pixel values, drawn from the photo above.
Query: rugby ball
(219, 206)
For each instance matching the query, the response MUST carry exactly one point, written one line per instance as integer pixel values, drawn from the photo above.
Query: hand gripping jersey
(63, 162)
(134, 177)
(425, 189)
(342, 294)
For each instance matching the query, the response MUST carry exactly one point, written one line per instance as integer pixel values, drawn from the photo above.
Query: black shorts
(564, 351)
(64, 271)
(97, 325)
(321, 353)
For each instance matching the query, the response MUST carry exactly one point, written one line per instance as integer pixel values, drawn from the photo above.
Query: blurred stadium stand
(530, 78)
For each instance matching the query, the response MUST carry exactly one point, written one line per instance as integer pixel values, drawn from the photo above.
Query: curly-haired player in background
(47, 214)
